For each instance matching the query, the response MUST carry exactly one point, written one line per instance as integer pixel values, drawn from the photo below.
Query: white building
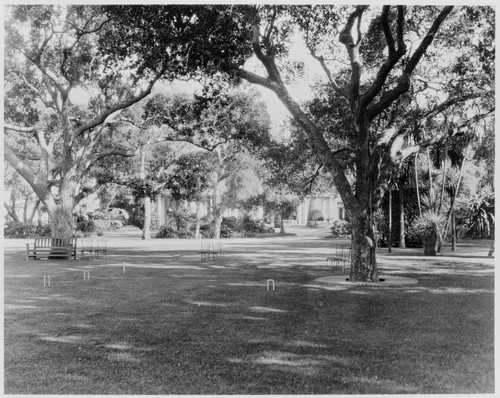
(331, 208)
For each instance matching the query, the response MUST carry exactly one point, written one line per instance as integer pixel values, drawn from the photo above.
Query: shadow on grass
(174, 325)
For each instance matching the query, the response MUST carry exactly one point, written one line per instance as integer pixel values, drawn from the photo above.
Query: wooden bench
(51, 248)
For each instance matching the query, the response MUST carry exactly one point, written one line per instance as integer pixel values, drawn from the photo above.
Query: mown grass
(200, 329)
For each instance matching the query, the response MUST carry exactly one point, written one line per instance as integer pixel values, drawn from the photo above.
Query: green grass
(197, 329)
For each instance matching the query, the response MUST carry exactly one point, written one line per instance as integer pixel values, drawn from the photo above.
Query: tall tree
(50, 54)
(384, 48)
(56, 53)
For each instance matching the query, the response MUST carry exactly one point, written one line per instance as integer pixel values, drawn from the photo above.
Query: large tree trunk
(363, 259)
(217, 222)
(61, 210)
(61, 221)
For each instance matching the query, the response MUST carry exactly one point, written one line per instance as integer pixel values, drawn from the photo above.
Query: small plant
(166, 232)
(85, 226)
(26, 231)
(341, 229)
(429, 227)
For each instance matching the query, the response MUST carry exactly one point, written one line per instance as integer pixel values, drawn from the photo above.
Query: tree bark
(217, 222)
(216, 212)
(34, 211)
(431, 185)
(282, 226)
(363, 260)
(417, 185)
(389, 243)
(402, 243)
(452, 204)
(11, 212)
(146, 227)
(453, 232)
(61, 221)
(198, 220)
(25, 210)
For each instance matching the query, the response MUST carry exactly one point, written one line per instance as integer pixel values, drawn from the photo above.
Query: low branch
(38, 186)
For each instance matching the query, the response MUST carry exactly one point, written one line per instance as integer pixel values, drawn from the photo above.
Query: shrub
(341, 229)
(166, 233)
(85, 225)
(207, 231)
(230, 228)
(412, 238)
(250, 227)
(26, 231)
(185, 233)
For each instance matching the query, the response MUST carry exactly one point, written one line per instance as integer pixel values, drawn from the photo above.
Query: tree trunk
(453, 232)
(39, 213)
(452, 204)
(61, 210)
(402, 243)
(389, 243)
(431, 185)
(61, 221)
(12, 208)
(443, 178)
(363, 260)
(34, 211)
(282, 228)
(309, 211)
(417, 185)
(12, 214)
(25, 210)
(198, 220)
(146, 227)
(217, 222)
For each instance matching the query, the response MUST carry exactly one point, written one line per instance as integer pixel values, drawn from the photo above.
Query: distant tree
(221, 120)
(189, 179)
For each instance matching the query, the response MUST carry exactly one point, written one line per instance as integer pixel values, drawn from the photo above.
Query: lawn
(174, 325)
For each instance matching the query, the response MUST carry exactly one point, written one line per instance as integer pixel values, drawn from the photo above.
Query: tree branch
(404, 81)
(108, 112)
(392, 59)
